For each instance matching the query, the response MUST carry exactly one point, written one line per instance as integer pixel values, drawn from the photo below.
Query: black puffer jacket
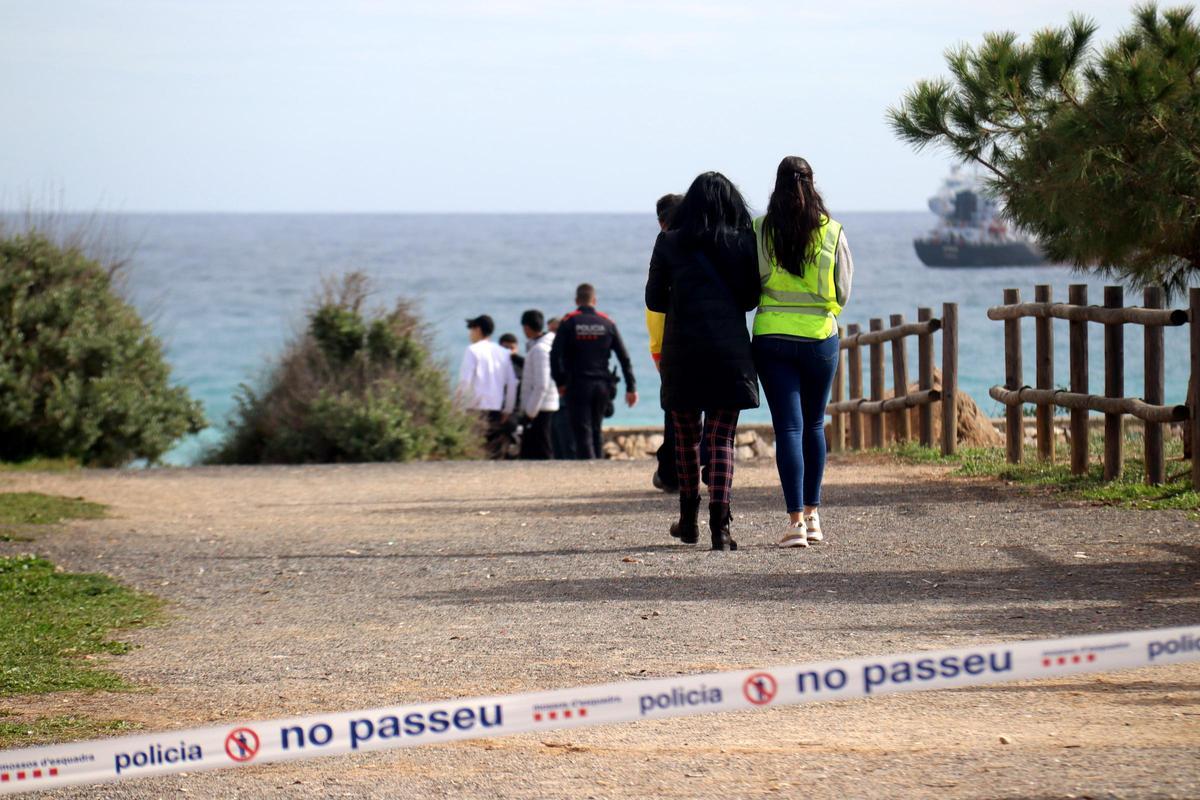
(706, 359)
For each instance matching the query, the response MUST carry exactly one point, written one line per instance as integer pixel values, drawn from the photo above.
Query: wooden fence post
(1156, 468)
(837, 422)
(1194, 382)
(876, 385)
(1114, 386)
(925, 379)
(1014, 430)
(1077, 295)
(900, 380)
(854, 362)
(950, 377)
(1044, 340)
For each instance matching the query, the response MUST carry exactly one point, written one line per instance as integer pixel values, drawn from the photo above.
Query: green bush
(354, 386)
(81, 375)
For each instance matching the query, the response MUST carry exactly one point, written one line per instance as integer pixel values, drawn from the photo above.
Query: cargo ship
(971, 230)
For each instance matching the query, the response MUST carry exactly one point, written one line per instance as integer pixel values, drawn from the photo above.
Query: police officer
(585, 341)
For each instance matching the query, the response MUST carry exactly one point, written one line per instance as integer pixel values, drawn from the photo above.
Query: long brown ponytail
(793, 216)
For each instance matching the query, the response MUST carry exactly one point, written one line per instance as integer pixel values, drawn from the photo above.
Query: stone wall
(758, 440)
(623, 444)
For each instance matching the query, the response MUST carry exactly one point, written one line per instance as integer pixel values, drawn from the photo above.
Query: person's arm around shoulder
(843, 270)
(749, 283)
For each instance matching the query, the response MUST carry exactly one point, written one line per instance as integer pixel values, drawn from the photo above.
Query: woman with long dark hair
(805, 268)
(703, 275)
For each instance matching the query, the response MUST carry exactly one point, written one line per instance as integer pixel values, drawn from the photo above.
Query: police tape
(252, 743)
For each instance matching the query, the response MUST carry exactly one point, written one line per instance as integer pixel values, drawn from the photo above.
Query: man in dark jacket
(585, 341)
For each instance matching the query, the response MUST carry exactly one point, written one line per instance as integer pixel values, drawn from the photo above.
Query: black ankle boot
(719, 518)
(687, 530)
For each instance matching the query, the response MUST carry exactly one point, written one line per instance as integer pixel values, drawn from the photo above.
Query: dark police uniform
(579, 359)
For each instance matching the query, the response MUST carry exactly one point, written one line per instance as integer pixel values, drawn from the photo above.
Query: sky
(471, 105)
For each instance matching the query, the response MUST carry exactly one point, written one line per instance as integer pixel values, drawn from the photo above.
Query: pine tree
(1094, 151)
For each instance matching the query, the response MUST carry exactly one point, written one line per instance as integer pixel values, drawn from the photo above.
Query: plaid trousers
(719, 428)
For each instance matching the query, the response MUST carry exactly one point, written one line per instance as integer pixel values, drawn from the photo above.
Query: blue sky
(468, 105)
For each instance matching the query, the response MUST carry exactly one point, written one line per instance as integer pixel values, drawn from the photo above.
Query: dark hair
(585, 294)
(484, 323)
(508, 338)
(533, 320)
(666, 206)
(793, 216)
(712, 207)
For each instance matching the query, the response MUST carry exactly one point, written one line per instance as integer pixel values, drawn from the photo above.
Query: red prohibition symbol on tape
(241, 744)
(760, 688)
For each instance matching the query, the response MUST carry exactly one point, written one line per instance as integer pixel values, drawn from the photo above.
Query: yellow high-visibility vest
(799, 305)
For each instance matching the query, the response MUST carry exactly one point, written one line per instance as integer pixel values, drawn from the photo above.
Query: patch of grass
(40, 465)
(1128, 490)
(53, 623)
(913, 453)
(976, 462)
(1174, 495)
(46, 730)
(971, 461)
(33, 508)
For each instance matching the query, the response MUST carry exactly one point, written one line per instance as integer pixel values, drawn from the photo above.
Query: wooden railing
(875, 406)
(1114, 315)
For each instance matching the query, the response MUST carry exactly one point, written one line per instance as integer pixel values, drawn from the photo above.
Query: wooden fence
(1114, 315)
(874, 407)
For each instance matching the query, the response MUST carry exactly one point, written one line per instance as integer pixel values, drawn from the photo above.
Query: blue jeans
(796, 376)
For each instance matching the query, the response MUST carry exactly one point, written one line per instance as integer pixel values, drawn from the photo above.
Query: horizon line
(211, 212)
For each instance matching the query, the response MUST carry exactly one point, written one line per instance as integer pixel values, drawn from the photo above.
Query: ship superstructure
(971, 230)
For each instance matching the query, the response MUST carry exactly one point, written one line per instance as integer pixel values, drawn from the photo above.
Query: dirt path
(299, 590)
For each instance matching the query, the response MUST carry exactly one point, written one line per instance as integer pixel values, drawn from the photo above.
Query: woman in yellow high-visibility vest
(805, 268)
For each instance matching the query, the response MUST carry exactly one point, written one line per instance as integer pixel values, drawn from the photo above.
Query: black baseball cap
(484, 323)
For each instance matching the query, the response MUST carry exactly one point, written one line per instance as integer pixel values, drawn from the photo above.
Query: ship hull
(947, 254)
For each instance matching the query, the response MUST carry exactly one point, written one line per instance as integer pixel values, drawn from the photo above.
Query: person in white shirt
(487, 383)
(539, 394)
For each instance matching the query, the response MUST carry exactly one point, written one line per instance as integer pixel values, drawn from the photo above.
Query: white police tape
(252, 743)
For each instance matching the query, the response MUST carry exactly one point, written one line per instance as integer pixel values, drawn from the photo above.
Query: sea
(226, 292)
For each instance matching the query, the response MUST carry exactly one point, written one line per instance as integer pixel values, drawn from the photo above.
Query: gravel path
(299, 590)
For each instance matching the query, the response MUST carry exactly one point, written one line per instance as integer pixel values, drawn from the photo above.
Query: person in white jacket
(539, 394)
(487, 383)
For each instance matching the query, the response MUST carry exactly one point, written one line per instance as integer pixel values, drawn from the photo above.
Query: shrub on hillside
(81, 375)
(354, 386)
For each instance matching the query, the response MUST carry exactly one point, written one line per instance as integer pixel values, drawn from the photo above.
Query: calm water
(225, 291)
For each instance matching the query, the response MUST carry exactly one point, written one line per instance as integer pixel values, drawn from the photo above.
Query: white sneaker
(812, 528)
(794, 536)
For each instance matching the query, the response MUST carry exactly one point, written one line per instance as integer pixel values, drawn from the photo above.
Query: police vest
(799, 305)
